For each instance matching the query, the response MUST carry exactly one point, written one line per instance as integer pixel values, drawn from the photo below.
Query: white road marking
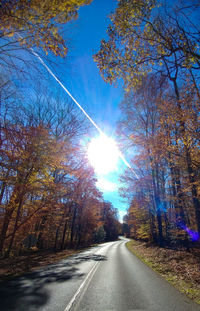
(88, 278)
(89, 275)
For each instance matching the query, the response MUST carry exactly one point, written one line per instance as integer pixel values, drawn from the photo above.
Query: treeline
(154, 48)
(48, 194)
(163, 207)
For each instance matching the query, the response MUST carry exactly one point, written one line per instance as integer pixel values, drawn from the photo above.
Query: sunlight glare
(103, 154)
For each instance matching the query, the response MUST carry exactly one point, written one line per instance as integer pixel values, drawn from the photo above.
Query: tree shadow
(76, 259)
(28, 291)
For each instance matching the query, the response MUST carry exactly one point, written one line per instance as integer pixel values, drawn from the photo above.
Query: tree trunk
(72, 227)
(158, 211)
(63, 236)
(56, 238)
(6, 221)
(39, 240)
(195, 199)
(15, 226)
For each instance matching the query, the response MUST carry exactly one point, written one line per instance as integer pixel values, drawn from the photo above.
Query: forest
(48, 194)
(49, 198)
(153, 49)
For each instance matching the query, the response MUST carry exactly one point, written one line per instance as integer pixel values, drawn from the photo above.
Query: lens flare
(194, 235)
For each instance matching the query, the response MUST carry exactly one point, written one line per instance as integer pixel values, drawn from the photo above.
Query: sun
(103, 154)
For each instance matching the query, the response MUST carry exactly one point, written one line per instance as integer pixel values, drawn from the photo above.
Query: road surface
(103, 278)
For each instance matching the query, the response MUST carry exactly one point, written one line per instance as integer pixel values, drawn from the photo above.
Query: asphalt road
(106, 277)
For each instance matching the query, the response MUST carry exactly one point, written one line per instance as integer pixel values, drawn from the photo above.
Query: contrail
(80, 107)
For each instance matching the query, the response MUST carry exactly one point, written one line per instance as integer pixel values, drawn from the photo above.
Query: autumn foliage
(36, 23)
(153, 48)
(48, 193)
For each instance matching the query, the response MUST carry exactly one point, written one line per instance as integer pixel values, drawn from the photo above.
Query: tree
(139, 125)
(146, 36)
(28, 159)
(35, 23)
(110, 221)
(126, 227)
(99, 235)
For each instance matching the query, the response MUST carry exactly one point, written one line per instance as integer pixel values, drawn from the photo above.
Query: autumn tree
(110, 221)
(27, 162)
(146, 36)
(125, 226)
(151, 36)
(138, 127)
(35, 23)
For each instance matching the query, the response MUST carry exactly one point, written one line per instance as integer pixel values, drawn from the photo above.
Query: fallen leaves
(179, 267)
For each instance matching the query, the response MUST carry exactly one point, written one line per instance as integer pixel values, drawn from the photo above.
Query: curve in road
(103, 278)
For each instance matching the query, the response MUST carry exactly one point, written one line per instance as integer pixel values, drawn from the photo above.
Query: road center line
(88, 278)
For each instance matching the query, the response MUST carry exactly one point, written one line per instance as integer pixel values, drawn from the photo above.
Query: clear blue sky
(81, 76)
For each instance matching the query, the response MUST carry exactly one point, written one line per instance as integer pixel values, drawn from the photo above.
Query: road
(103, 278)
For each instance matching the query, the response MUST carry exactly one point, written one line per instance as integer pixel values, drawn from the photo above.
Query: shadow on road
(28, 292)
(80, 258)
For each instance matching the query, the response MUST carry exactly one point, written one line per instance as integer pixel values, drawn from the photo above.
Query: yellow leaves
(55, 31)
(39, 20)
(10, 34)
(22, 42)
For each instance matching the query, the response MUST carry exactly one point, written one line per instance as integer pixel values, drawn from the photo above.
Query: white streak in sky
(80, 107)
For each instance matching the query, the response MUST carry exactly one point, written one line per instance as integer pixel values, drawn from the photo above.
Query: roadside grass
(178, 267)
(10, 267)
